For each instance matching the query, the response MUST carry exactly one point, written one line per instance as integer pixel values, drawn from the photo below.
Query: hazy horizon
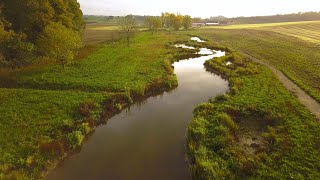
(198, 8)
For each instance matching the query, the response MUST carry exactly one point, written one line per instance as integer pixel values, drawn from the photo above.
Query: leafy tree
(128, 26)
(167, 19)
(32, 16)
(26, 22)
(154, 23)
(14, 50)
(59, 42)
(187, 22)
(171, 20)
(177, 22)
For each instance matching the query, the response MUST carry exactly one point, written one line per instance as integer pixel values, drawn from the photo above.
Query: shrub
(197, 128)
(84, 128)
(226, 120)
(118, 106)
(75, 139)
(203, 109)
(221, 98)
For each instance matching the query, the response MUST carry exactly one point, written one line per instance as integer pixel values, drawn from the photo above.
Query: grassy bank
(298, 59)
(258, 130)
(47, 112)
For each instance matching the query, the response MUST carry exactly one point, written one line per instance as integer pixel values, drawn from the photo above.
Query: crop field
(297, 59)
(305, 30)
(99, 33)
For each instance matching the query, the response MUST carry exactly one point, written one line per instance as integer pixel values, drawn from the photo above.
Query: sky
(198, 8)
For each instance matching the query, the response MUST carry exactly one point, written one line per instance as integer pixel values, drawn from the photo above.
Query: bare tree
(129, 27)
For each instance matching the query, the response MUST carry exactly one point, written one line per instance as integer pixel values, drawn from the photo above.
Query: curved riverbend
(147, 141)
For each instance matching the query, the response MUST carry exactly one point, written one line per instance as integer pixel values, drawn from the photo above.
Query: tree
(59, 42)
(14, 50)
(187, 22)
(128, 26)
(32, 16)
(177, 21)
(28, 20)
(154, 23)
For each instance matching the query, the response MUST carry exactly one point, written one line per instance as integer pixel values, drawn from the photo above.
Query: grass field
(33, 118)
(297, 59)
(257, 131)
(106, 69)
(305, 30)
(99, 33)
(50, 110)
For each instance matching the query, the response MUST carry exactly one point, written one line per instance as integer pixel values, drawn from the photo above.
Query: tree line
(169, 20)
(307, 16)
(129, 25)
(34, 30)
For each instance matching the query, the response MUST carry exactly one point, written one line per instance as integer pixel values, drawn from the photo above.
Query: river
(147, 141)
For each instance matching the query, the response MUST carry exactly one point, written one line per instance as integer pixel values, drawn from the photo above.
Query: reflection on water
(197, 39)
(183, 46)
(147, 141)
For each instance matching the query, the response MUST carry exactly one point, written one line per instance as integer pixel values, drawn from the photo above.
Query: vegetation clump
(75, 139)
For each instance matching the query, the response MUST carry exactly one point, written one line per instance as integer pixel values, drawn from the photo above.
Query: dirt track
(302, 96)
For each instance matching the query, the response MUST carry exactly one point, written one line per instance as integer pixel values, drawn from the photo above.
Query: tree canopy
(24, 21)
(59, 42)
(154, 23)
(176, 21)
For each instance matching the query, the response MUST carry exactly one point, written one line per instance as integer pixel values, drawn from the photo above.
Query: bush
(203, 109)
(226, 120)
(75, 139)
(221, 98)
(118, 106)
(84, 128)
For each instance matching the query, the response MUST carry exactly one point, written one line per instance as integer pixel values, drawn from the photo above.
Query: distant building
(198, 24)
(210, 23)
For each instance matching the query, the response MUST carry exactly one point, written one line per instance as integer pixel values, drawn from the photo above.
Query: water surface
(148, 140)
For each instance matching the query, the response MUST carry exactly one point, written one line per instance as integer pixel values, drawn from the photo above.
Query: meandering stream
(148, 140)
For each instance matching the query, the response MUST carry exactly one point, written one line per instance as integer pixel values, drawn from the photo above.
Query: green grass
(298, 59)
(48, 111)
(30, 118)
(258, 131)
(113, 67)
